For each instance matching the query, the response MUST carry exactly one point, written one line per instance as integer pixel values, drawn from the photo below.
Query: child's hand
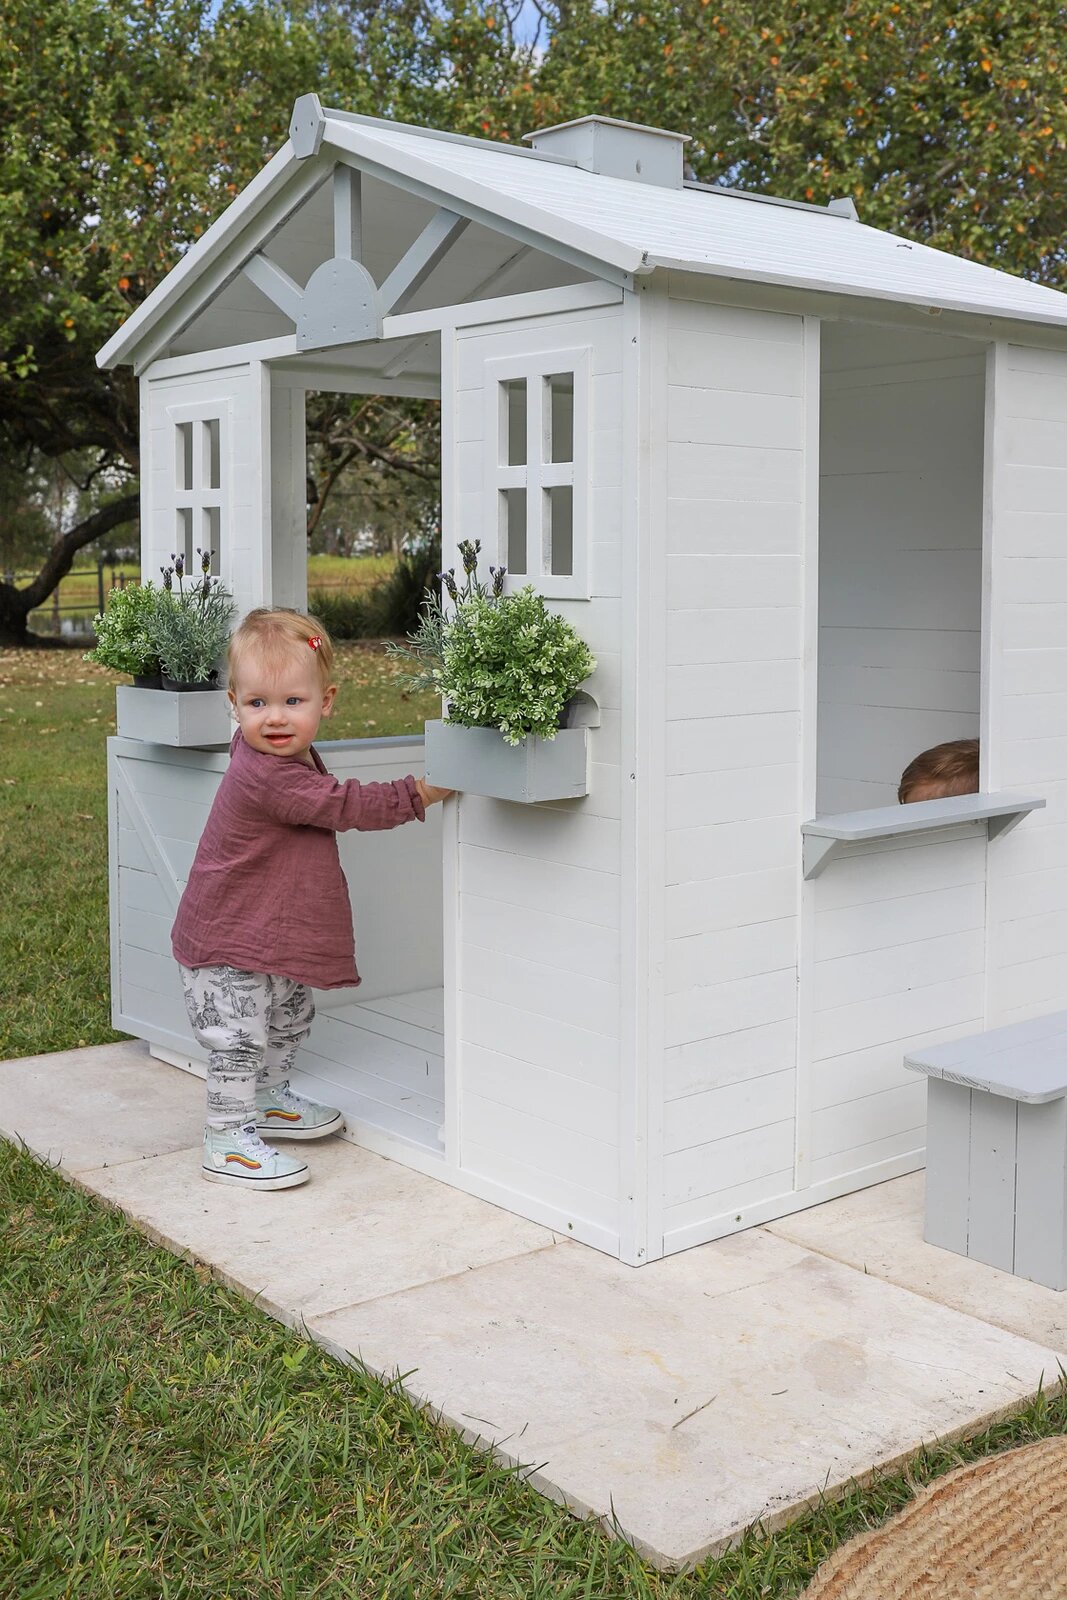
(429, 793)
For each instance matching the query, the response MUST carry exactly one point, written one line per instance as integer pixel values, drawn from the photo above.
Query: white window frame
(538, 474)
(201, 499)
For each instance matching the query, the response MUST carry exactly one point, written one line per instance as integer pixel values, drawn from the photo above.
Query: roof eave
(927, 303)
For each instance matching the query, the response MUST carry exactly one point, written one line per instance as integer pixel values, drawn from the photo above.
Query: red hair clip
(315, 641)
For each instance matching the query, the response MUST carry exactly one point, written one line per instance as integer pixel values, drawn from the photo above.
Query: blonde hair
(276, 635)
(946, 769)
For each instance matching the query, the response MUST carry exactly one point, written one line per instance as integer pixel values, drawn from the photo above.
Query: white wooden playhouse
(802, 485)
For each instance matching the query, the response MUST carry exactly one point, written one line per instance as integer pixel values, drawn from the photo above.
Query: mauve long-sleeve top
(266, 892)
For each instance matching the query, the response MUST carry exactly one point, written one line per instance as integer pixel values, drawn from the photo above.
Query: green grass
(160, 1438)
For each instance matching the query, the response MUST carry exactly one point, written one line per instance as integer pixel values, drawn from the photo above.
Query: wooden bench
(996, 1152)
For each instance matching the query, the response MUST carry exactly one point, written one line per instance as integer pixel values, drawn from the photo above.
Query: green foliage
(511, 664)
(122, 637)
(946, 124)
(390, 607)
(189, 630)
(343, 615)
(394, 604)
(424, 648)
(129, 129)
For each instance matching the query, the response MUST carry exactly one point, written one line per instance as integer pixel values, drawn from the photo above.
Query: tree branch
(60, 558)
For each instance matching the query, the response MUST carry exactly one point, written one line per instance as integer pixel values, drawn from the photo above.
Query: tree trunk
(16, 604)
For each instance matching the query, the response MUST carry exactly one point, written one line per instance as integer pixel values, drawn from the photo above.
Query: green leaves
(511, 664)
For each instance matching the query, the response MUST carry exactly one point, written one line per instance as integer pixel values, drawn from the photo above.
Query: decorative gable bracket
(341, 303)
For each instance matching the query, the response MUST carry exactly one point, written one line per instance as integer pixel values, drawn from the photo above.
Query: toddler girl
(265, 914)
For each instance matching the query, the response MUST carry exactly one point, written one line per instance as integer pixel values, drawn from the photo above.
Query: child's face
(279, 708)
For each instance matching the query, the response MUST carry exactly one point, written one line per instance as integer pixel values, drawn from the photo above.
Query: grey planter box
(165, 716)
(478, 761)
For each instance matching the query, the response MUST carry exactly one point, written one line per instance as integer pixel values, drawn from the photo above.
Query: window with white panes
(201, 490)
(537, 430)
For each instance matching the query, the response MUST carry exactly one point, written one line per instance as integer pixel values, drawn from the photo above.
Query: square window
(513, 529)
(559, 519)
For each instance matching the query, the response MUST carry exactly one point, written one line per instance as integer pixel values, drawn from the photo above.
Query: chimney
(616, 149)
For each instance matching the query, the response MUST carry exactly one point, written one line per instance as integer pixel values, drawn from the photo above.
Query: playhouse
(802, 486)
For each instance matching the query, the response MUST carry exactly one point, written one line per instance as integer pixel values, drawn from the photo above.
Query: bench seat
(996, 1147)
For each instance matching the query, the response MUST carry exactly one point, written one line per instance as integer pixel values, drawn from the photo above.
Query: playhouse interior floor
(688, 1398)
(380, 1061)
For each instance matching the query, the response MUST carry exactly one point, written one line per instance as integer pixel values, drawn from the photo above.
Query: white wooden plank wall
(244, 548)
(900, 555)
(538, 923)
(898, 959)
(1028, 681)
(389, 1070)
(735, 526)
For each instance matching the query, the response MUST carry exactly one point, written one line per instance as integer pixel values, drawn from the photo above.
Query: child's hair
(945, 769)
(275, 634)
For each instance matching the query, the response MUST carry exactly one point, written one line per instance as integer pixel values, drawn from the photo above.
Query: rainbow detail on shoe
(286, 1115)
(242, 1161)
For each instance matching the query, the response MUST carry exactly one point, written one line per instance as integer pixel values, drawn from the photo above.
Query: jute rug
(992, 1529)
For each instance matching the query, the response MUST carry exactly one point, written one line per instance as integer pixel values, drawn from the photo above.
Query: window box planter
(479, 761)
(173, 716)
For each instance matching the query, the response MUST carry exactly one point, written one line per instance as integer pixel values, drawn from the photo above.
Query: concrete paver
(679, 1402)
(880, 1231)
(99, 1106)
(697, 1394)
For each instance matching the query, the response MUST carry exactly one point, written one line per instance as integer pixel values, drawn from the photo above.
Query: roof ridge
(443, 137)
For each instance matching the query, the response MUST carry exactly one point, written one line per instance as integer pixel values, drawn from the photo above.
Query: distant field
(78, 594)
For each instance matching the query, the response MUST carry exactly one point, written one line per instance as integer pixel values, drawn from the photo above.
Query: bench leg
(1041, 1195)
(991, 1219)
(948, 1164)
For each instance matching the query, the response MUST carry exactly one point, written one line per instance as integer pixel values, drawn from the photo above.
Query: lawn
(78, 594)
(161, 1439)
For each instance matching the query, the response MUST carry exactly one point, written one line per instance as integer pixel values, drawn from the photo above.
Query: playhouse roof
(622, 227)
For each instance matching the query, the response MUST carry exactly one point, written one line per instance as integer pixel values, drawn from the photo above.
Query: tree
(946, 125)
(128, 129)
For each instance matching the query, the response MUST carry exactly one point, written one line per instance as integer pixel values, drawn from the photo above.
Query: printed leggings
(251, 1024)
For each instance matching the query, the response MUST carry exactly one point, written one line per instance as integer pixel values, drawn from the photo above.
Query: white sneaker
(287, 1115)
(239, 1156)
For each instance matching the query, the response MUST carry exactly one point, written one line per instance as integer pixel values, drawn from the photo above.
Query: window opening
(559, 414)
(184, 535)
(513, 518)
(513, 453)
(212, 463)
(184, 464)
(559, 518)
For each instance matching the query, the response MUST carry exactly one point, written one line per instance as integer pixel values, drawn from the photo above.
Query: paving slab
(99, 1106)
(361, 1226)
(688, 1398)
(880, 1231)
(679, 1402)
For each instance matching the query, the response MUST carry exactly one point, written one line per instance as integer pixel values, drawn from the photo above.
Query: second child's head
(944, 770)
(280, 679)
